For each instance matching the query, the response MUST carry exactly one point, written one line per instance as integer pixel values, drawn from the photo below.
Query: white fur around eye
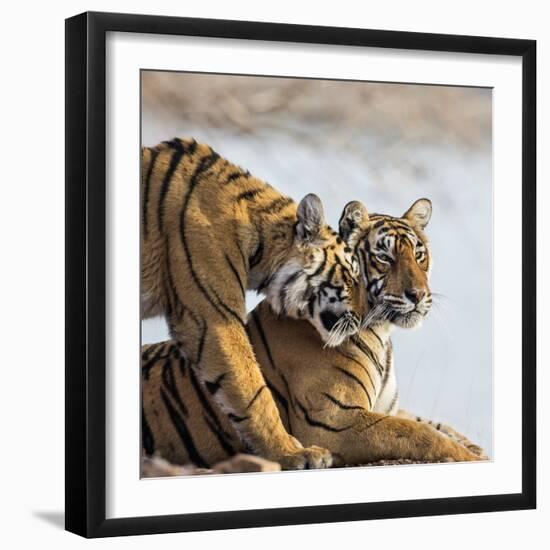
(384, 258)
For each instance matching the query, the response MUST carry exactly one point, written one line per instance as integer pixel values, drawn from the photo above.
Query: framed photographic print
(300, 274)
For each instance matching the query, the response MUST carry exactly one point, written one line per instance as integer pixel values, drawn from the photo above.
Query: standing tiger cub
(210, 231)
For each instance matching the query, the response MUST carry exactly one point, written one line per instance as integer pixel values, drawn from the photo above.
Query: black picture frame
(86, 267)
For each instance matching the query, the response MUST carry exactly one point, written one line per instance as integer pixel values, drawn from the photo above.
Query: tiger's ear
(311, 218)
(419, 213)
(353, 222)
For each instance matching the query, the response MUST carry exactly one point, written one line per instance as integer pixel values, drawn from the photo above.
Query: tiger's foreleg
(447, 430)
(360, 436)
(223, 358)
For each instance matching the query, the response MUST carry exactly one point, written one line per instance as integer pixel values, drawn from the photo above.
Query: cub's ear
(353, 222)
(311, 218)
(419, 213)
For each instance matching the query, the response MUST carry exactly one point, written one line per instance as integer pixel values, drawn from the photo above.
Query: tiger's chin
(412, 319)
(331, 341)
(336, 329)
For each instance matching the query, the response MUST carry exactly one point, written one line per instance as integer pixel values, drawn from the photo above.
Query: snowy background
(386, 145)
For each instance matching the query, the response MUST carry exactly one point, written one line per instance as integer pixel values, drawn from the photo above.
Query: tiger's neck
(274, 238)
(377, 357)
(377, 339)
(381, 332)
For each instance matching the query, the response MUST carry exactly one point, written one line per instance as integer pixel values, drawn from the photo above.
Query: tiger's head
(396, 265)
(321, 281)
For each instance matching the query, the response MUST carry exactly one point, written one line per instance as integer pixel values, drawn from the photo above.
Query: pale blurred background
(386, 145)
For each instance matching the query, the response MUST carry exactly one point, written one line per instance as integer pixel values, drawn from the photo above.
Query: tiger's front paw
(308, 458)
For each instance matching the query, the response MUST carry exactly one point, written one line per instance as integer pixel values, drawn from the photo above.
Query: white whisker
(343, 328)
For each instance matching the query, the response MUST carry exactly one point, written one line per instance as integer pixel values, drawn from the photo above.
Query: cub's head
(396, 264)
(321, 281)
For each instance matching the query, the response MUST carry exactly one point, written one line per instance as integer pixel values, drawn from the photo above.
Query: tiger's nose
(415, 295)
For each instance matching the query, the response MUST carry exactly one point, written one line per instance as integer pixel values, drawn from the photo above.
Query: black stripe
(354, 378)
(256, 258)
(182, 364)
(376, 336)
(329, 277)
(342, 405)
(169, 383)
(265, 283)
(275, 206)
(376, 422)
(205, 163)
(364, 260)
(173, 296)
(311, 304)
(199, 322)
(279, 397)
(321, 265)
(228, 309)
(263, 338)
(147, 439)
(183, 432)
(249, 195)
(201, 342)
(394, 400)
(368, 352)
(237, 419)
(146, 369)
(149, 349)
(236, 273)
(319, 424)
(154, 155)
(387, 369)
(175, 143)
(365, 369)
(174, 162)
(402, 225)
(265, 344)
(220, 436)
(285, 381)
(202, 398)
(243, 258)
(284, 289)
(234, 176)
(216, 427)
(256, 395)
(215, 386)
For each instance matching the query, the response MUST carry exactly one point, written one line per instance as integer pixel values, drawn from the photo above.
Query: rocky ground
(242, 463)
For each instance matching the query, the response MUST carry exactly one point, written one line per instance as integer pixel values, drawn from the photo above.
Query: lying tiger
(343, 398)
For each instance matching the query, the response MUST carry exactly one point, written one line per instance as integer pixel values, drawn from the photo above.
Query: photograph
(316, 274)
